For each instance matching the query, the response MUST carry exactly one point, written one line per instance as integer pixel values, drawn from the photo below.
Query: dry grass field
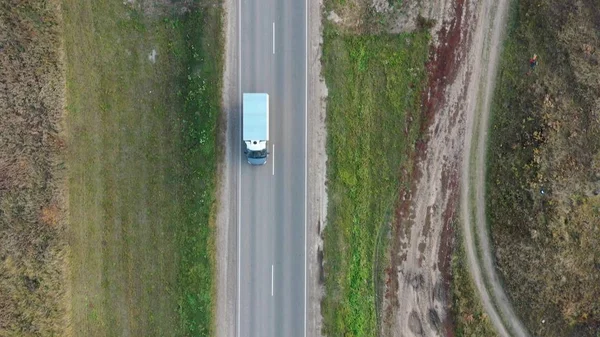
(33, 230)
(544, 167)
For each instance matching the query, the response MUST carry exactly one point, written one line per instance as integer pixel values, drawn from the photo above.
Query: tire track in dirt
(482, 269)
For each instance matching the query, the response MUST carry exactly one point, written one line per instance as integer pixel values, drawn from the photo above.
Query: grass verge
(374, 84)
(143, 88)
(543, 164)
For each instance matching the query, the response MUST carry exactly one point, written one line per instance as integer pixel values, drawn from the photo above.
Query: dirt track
(461, 71)
(480, 258)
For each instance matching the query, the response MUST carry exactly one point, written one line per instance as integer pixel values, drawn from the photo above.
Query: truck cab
(256, 152)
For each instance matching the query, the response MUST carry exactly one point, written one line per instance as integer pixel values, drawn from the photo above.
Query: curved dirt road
(476, 235)
(467, 39)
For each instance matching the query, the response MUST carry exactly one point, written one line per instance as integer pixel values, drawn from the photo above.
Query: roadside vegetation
(544, 166)
(143, 84)
(374, 90)
(33, 232)
(107, 167)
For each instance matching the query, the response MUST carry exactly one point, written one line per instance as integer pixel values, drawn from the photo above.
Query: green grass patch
(201, 109)
(374, 84)
(143, 98)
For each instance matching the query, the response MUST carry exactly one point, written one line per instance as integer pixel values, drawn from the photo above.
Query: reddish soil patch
(441, 68)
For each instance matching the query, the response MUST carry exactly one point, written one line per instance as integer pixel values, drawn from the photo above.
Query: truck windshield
(257, 154)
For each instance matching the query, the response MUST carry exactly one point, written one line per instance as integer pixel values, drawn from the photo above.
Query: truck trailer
(255, 127)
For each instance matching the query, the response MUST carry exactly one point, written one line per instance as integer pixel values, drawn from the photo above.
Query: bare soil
(417, 294)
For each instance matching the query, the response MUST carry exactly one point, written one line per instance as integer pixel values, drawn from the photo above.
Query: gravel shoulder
(227, 195)
(317, 168)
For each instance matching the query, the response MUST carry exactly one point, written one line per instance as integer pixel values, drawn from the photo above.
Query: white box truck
(255, 127)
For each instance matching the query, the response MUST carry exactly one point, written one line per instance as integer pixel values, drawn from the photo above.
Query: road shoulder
(316, 212)
(227, 194)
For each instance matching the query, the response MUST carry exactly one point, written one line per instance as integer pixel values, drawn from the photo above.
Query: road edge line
(239, 188)
(305, 157)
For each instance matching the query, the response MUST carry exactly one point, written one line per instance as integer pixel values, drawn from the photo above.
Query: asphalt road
(272, 198)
